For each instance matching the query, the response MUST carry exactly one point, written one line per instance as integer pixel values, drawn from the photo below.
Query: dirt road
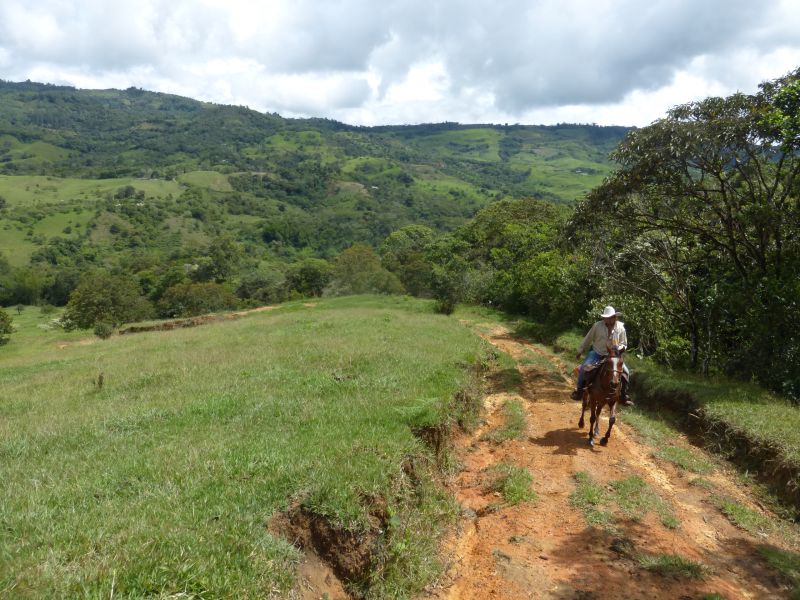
(546, 549)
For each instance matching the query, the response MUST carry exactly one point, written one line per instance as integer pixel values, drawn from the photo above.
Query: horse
(604, 389)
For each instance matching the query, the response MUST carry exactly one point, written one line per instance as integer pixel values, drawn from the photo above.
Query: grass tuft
(673, 565)
(589, 497)
(787, 563)
(744, 517)
(635, 498)
(703, 483)
(513, 482)
(685, 459)
(514, 424)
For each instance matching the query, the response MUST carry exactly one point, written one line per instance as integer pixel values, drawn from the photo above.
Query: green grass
(788, 563)
(632, 496)
(537, 359)
(745, 408)
(658, 430)
(212, 180)
(514, 483)
(32, 190)
(673, 565)
(514, 424)
(703, 483)
(744, 517)
(685, 459)
(589, 497)
(162, 481)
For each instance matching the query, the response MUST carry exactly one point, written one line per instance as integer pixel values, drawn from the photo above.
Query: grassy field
(26, 191)
(161, 481)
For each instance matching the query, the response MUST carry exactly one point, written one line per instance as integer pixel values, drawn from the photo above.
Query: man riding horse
(605, 334)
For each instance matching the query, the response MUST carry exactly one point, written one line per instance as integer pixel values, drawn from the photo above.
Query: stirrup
(576, 395)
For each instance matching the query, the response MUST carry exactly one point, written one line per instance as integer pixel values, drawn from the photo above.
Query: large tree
(701, 218)
(102, 297)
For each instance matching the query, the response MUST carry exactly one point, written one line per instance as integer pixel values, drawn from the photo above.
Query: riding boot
(623, 393)
(576, 395)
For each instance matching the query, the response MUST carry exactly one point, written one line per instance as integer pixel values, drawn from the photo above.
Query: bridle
(615, 364)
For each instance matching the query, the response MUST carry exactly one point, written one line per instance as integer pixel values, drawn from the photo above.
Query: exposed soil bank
(766, 462)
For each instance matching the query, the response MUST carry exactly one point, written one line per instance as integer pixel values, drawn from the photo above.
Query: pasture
(162, 479)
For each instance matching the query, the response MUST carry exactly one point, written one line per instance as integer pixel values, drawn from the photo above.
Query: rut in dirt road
(649, 518)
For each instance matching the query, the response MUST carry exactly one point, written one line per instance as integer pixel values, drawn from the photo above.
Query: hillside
(67, 156)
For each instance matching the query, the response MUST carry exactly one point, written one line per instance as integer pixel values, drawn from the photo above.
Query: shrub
(104, 330)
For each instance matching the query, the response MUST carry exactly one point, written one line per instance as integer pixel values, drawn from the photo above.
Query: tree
(266, 285)
(103, 297)
(191, 299)
(358, 270)
(308, 277)
(223, 256)
(403, 253)
(702, 218)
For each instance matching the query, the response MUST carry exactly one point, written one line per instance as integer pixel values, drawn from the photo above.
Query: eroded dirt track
(545, 549)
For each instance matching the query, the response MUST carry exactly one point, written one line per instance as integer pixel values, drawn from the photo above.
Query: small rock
(543, 557)
(469, 513)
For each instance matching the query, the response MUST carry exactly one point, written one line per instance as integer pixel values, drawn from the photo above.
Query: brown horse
(605, 389)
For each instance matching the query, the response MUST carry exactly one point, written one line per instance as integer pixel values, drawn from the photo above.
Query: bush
(6, 328)
(444, 306)
(104, 330)
(191, 299)
(47, 309)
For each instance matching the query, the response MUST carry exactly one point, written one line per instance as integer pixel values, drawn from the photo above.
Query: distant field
(480, 144)
(160, 483)
(23, 190)
(208, 179)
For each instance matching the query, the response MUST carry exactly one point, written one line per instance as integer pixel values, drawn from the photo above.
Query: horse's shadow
(566, 441)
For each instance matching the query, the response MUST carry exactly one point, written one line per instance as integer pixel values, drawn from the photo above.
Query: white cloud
(361, 61)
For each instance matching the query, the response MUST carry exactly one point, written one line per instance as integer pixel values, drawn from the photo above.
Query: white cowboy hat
(609, 311)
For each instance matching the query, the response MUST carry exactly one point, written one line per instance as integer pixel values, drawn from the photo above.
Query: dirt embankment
(193, 321)
(546, 549)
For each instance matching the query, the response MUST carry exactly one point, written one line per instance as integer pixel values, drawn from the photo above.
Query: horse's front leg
(583, 410)
(611, 420)
(592, 422)
(597, 420)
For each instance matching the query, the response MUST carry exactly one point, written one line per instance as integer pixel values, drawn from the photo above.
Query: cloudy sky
(410, 61)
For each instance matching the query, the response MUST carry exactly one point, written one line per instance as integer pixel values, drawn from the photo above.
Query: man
(608, 333)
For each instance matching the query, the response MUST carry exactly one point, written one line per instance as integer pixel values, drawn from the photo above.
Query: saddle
(590, 372)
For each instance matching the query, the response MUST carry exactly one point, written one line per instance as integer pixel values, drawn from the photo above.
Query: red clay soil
(545, 549)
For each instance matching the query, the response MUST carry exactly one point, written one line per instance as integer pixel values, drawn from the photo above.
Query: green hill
(290, 184)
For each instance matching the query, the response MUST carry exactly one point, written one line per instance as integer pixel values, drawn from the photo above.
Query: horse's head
(615, 363)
